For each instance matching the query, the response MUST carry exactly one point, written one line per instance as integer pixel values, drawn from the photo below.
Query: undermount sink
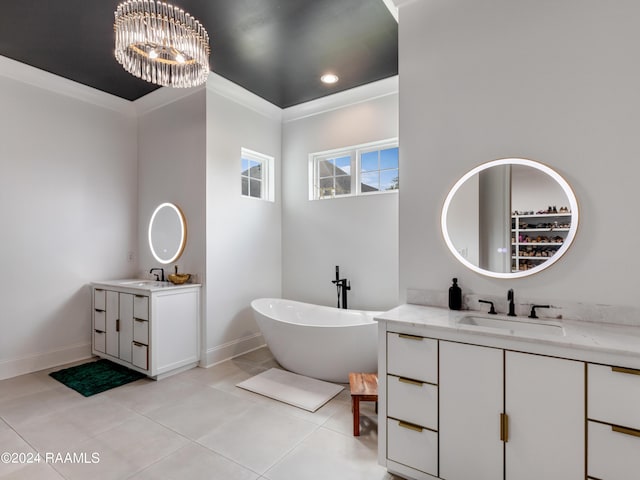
(141, 283)
(513, 327)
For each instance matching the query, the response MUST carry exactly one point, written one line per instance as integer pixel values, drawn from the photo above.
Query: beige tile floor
(194, 425)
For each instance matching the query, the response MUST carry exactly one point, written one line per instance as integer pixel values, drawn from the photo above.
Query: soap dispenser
(455, 296)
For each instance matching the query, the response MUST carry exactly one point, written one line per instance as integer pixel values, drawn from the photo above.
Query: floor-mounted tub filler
(317, 341)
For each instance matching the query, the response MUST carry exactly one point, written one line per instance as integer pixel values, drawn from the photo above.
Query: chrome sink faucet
(160, 277)
(512, 307)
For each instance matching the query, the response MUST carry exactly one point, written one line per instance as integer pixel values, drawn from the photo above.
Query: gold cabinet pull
(410, 381)
(504, 427)
(410, 426)
(627, 431)
(630, 371)
(409, 337)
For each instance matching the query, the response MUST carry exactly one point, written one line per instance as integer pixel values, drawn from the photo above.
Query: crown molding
(35, 77)
(392, 7)
(232, 91)
(353, 96)
(162, 97)
(215, 84)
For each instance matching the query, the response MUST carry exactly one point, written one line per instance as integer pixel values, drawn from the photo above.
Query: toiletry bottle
(455, 296)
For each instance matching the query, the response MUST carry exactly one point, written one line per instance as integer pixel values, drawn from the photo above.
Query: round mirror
(510, 218)
(167, 233)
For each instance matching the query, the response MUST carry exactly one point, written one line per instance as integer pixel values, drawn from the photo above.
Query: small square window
(256, 176)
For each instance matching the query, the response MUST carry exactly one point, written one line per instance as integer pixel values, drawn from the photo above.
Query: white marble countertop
(142, 284)
(608, 344)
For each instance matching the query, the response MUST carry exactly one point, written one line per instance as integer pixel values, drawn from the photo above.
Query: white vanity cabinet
(613, 399)
(154, 329)
(459, 411)
(517, 412)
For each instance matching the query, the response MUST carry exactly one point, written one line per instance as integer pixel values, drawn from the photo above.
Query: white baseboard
(232, 349)
(19, 366)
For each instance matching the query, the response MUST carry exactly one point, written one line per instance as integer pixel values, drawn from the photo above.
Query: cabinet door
(471, 401)
(544, 399)
(111, 320)
(125, 338)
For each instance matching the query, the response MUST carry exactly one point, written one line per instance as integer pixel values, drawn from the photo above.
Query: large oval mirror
(167, 233)
(510, 218)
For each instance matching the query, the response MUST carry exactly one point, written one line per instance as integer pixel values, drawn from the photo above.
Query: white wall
(171, 168)
(552, 81)
(360, 234)
(68, 204)
(243, 234)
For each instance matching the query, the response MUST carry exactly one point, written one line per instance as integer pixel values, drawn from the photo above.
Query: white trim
(232, 349)
(393, 9)
(347, 98)
(33, 363)
(162, 97)
(35, 77)
(238, 94)
(402, 3)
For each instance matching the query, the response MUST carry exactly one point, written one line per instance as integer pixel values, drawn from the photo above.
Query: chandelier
(161, 44)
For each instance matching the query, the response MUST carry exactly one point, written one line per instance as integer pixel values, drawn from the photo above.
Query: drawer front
(614, 396)
(141, 307)
(612, 455)
(99, 299)
(141, 331)
(415, 448)
(412, 401)
(99, 320)
(99, 341)
(412, 357)
(140, 355)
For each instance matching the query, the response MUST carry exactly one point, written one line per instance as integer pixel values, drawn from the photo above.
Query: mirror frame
(183, 232)
(573, 205)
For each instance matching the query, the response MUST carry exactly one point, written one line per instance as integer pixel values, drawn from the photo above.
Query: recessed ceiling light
(329, 78)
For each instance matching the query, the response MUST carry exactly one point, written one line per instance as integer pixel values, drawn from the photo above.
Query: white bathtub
(316, 341)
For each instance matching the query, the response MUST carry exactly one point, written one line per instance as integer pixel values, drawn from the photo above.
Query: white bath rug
(297, 390)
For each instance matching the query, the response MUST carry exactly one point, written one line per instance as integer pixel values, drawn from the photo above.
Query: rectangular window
(256, 175)
(358, 170)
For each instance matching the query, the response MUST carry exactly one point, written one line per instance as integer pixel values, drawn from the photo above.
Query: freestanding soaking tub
(317, 341)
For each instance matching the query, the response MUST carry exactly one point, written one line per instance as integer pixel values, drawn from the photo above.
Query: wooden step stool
(364, 387)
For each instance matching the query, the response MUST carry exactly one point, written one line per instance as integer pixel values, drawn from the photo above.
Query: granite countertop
(609, 344)
(142, 285)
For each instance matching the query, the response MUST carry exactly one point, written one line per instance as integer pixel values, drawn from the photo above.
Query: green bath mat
(95, 377)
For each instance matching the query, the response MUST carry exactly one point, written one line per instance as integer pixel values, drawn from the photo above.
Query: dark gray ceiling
(276, 49)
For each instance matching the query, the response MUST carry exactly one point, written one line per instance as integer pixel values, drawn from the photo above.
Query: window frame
(355, 153)
(267, 191)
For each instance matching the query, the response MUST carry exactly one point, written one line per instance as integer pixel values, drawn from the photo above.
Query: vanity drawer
(614, 395)
(141, 331)
(141, 307)
(99, 299)
(99, 317)
(412, 446)
(412, 357)
(412, 401)
(612, 455)
(99, 341)
(140, 355)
